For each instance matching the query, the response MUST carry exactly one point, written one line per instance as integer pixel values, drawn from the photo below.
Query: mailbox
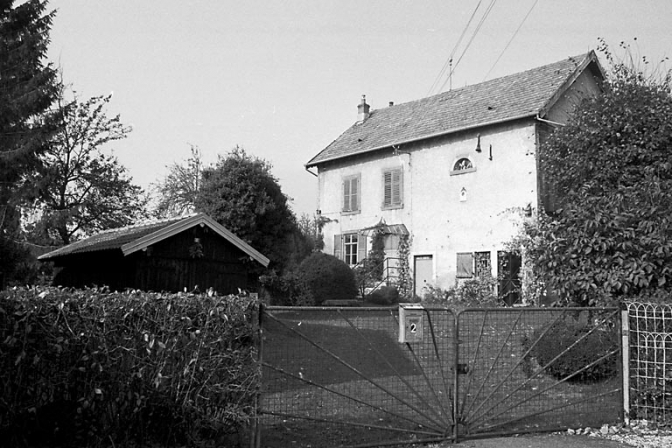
(411, 318)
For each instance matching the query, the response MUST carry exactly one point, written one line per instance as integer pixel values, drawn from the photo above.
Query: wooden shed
(167, 255)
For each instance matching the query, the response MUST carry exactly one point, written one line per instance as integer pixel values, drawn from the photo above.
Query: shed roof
(521, 95)
(136, 237)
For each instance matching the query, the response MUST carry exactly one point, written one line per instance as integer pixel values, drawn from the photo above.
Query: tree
(28, 88)
(611, 168)
(82, 188)
(177, 192)
(240, 193)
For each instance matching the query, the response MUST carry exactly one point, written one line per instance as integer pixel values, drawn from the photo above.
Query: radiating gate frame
(498, 405)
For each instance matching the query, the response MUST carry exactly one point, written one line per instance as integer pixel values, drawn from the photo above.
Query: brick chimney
(362, 110)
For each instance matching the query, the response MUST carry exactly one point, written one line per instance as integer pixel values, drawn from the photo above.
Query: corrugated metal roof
(511, 97)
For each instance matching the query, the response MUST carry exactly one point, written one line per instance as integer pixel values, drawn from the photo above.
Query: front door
(423, 273)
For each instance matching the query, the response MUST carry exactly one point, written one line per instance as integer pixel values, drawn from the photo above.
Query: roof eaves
(424, 137)
(179, 226)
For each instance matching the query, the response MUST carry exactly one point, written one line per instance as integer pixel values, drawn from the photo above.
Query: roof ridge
(578, 58)
(147, 223)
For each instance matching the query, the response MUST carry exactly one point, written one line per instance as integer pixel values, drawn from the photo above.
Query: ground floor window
(350, 248)
(483, 266)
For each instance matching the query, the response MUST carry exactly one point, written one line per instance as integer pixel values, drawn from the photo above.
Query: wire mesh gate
(336, 377)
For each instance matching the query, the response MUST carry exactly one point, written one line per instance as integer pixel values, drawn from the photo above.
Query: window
(350, 248)
(465, 265)
(483, 266)
(351, 194)
(462, 165)
(392, 188)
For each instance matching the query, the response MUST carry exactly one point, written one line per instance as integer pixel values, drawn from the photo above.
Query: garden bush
(560, 336)
(88, 368)
(288, 289)
(385, 295)
(328, 278)
(473, 293)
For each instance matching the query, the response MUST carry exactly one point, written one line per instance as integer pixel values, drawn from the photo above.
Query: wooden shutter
(354, 194)
(465, 265)
(346, 195)
(362, 247)
(338, 246)
(392, 188)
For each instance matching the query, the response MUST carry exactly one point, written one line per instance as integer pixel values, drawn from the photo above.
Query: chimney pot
(362, 110)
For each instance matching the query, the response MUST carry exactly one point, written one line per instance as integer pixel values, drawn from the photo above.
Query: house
(455, 173)
(166, 255)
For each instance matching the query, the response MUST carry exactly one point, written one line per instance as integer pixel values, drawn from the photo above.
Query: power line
(449, 61)
(511, 40)
(473, 35)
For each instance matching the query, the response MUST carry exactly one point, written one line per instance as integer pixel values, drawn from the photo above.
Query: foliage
(385, 295)
(28, 88)
(610, 237)
(177, 192)
(241, 194)
(82, 189)
(547, 344)
(328, 278)
(405, 275)
(478, 292)
(288, 289)
(90, 368)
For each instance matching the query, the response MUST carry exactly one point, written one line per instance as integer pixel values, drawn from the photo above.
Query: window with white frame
(350, 241)
(393, 188)
(351, 194)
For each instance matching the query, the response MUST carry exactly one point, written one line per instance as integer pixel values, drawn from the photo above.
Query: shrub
(385, 295)
(474, 293)
(92, 368)
(328, 278)
(288, 289)
(560, 336)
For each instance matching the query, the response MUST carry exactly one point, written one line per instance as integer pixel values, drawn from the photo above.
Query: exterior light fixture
(478, 143)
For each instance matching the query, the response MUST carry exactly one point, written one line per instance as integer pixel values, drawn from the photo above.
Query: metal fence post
(625, 350)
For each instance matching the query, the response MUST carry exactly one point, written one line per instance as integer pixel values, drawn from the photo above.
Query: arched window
(462, 165)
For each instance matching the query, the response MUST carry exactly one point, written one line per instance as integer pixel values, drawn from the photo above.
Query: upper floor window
(351, 193)
(462, 165)
(392, 188)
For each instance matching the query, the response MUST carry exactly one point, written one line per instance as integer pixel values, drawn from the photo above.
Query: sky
(283, 79)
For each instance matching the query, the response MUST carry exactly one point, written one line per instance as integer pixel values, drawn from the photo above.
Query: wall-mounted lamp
(528, 210)
(490, 152)
(478, 143)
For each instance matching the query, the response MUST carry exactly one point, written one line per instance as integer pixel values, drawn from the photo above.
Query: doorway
(423, 273)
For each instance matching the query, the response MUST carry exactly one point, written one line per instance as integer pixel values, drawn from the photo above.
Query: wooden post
(625, 350)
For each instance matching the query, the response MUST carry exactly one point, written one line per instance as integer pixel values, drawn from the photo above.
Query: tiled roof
(511, 97)
(111, 239)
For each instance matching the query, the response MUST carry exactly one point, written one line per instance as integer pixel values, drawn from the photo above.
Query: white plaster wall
(441, 225)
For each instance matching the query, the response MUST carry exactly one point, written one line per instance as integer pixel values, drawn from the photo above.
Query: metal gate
(335, 377)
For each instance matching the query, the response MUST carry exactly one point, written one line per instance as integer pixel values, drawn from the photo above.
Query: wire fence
(368, 376)
(650, 361)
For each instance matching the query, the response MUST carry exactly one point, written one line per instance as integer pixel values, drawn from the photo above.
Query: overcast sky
(283, 78)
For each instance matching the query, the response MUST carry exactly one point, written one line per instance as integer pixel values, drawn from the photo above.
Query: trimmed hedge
(560, 336)
(328, 278)
(92, 368)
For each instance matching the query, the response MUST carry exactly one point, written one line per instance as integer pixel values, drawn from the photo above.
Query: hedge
(93, 368)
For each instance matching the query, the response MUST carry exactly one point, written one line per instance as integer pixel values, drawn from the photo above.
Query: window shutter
(354, 194)
(392, 188)
(396, 187)
(338, 246)
(346, 195)
(465, 265)
(362, 246)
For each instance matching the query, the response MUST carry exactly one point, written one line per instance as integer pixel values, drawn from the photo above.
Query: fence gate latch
(411, 317)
